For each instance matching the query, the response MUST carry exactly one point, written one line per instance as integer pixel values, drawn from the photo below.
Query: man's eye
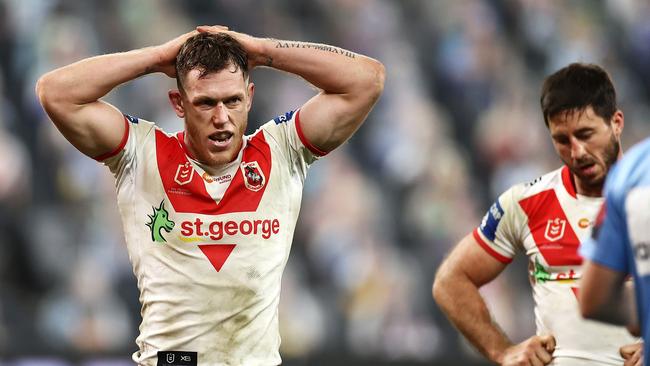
(585, 135)
(233, 101)
(562, 141)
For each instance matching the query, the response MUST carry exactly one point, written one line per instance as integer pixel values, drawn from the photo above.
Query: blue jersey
(621, 240)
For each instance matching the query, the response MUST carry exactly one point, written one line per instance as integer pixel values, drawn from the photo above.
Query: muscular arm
(350, 83)
(456, 290)
(605, 296)
(71, 95)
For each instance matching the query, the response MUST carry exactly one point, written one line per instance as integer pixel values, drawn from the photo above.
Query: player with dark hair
(209, 213)
(545, 219)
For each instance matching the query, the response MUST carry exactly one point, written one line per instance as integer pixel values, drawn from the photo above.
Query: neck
(589, 190)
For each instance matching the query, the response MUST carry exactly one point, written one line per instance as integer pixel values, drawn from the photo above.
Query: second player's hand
(535, 351)
(632, 354)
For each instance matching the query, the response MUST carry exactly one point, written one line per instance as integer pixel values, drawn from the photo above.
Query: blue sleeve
(609, 243)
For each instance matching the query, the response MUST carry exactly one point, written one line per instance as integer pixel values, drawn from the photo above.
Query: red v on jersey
(187, 193)
(186, 190)
(575, 291)
(551, 230)
(217, 253)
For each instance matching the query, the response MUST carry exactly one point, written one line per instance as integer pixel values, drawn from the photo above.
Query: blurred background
(458, 123)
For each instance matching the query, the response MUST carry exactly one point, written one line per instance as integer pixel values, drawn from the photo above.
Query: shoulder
(274, 128)
(139, 125)
(550, 180)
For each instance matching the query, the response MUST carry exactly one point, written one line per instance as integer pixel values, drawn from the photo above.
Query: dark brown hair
(576, 87)
(210, 53)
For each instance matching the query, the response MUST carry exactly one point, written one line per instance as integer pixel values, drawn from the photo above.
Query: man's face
(215, 108)
(588, 145)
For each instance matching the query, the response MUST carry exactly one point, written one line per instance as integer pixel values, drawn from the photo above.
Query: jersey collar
(568, 182)
(181, 138)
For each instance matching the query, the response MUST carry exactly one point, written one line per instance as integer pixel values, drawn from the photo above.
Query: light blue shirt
(621, 237)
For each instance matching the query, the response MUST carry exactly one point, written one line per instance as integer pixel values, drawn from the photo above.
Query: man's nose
(221, 113)
(577, 149)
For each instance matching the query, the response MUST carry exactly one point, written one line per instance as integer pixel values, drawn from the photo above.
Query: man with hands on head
(545, 219)
(209, 213)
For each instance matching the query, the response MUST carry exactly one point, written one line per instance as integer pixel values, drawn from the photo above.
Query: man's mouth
(221, 139)
(587, 169)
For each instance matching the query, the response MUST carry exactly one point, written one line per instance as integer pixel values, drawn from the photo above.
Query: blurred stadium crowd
(458, 123)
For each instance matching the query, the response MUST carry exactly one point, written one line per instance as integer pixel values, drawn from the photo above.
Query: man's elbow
(587, 310)
(377, 80)
(45, 90)
(368, 83)
(441, 283)
(590, 308)
(380, 77)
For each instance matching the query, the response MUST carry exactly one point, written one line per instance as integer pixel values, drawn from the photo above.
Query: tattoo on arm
(316, 46)
(269, 61)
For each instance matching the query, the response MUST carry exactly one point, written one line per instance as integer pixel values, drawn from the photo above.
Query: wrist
(498, 354)
(259, 54)
(154, 59)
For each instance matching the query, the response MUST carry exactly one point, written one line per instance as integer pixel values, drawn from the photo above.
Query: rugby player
(209, 212)
(545, 220)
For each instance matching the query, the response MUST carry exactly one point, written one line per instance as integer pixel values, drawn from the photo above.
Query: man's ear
(176, 100)
(251, 92)
(618, 122)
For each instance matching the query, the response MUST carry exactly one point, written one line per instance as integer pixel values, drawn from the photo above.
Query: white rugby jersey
(208, 247)
(546, 219)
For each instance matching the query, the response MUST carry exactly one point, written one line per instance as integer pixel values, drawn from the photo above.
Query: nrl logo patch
(184, 173)
(555, 229)
(253, 177)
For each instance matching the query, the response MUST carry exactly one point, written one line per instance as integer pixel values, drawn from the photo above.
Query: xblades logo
(159, 221)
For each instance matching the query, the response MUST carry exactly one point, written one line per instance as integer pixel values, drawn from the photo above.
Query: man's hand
(632, 354)
(535, 351)
(167, 53)
(252, 45)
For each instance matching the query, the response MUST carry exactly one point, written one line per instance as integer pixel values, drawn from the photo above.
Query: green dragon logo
(159, 222)
(540, 273)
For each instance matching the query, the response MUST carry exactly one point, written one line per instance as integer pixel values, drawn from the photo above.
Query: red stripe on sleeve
(312, 148)
(125, 138)
(489, 250)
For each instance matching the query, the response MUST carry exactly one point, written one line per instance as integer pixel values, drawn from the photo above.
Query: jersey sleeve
(609, 243)
(286, 134)
(122, 160)
(499, 232)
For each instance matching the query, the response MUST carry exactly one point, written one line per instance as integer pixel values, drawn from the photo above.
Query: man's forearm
(606, 296)
(619, 308)
(329, 68)
(464, 306)
(90, 79)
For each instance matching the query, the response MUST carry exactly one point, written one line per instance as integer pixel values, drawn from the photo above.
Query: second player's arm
(349, 83)
(606, 296)
(456, 290)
